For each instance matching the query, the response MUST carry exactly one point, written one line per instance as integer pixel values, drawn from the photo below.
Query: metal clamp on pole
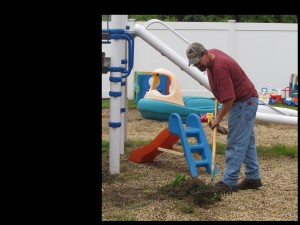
(105, 63)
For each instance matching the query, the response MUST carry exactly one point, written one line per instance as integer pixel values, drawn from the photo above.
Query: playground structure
(119, 65)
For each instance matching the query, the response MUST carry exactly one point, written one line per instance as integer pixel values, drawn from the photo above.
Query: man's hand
(220, 129)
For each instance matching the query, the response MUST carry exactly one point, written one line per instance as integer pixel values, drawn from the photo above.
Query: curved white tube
(148, 23)
(171, 54)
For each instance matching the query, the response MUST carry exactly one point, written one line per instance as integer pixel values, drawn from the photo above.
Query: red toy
(203, 118)
(275, 98)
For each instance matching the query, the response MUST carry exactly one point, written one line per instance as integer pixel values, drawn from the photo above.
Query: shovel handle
(214, 142)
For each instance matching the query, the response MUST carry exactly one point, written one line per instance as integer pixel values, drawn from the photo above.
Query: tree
(220, 18)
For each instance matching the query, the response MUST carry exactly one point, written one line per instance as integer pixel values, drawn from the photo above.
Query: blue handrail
(122, 34)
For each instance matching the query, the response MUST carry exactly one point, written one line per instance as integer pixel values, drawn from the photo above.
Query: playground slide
(178, 60)
(148, 152)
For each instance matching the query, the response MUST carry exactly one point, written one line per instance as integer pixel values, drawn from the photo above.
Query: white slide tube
(182, 63)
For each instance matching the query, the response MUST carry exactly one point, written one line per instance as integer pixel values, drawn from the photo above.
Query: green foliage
(289, 19)
(149, 17)
(178, 179)
(186, 209)
(105, 146)
(105, 103)
(214, 18)
(220, 18)
(194, 189)
(207, 18)
(133, 144)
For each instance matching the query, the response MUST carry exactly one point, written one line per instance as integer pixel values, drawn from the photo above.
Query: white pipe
(123, 53)
(115, 102)
(202, 79)
(171, 55)
(287, 112)
(149, 22)
(281, 119)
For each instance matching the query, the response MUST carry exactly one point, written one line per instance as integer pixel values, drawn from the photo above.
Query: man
(231, 86)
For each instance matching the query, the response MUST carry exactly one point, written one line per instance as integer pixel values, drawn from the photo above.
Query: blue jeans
(240, 147)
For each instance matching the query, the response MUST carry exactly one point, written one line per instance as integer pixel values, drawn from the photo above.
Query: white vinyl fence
(268, 52)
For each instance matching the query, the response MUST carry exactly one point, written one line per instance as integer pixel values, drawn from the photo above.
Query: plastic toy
(203, 118)
(288, 100)
(264, 95)
(209, 116)
(294, 84)
(159, 107)
(142, 84)
(275, 96)
(173, 97)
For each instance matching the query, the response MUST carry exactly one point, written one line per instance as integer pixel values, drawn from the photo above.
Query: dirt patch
(133, 194)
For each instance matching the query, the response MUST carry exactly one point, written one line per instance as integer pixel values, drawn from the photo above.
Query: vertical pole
(123, 87)
(115, 101)
(231, 39)
(129, 82)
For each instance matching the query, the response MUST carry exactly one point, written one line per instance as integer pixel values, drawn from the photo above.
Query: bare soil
(135, 193)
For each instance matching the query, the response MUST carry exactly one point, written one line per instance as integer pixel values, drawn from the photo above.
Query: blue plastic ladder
(193, 129)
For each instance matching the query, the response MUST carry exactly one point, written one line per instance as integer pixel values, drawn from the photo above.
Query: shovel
(212, 175)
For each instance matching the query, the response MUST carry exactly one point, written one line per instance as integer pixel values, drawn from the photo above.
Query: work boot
(221, 186)
(250, 184)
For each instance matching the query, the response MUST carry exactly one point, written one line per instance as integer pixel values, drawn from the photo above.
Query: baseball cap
(194, 52)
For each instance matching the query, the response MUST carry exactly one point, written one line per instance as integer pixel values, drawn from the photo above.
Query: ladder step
(200, 163)
(170, 151)
(196, 148)
(192, 130)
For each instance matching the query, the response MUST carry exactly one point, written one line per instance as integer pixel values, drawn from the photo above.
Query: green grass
(263, 151)
(186, 209)
(126, 218)
(129, 145)
(178, 179)
(279, 104)
(267, 151)
(130, 104)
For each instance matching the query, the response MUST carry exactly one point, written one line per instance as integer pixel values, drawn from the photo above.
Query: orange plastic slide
(148, 152)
